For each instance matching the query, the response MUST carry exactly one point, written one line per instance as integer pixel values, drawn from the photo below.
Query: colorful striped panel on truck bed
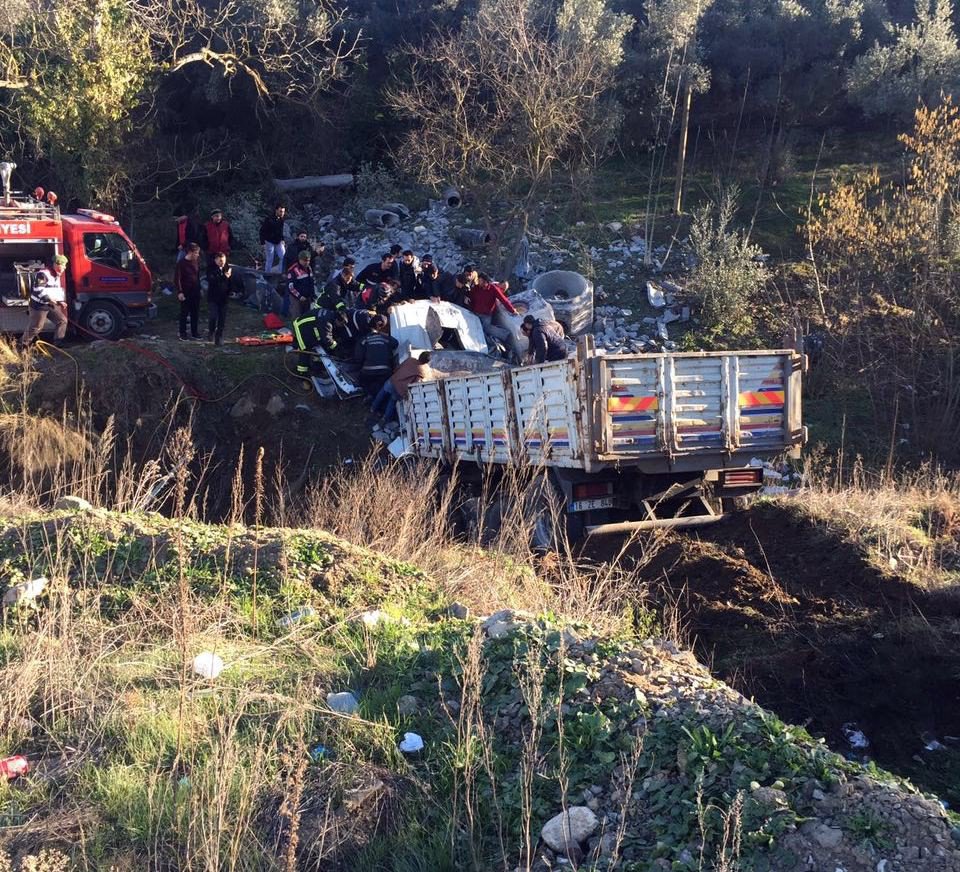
(761, 409)
(558, 436)
(633, 419)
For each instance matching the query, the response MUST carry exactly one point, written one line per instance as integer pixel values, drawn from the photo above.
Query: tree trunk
(682, 153)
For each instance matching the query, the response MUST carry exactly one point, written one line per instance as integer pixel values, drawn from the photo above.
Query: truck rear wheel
(102, 320)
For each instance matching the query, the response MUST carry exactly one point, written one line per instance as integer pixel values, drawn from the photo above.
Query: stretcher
(270, 338)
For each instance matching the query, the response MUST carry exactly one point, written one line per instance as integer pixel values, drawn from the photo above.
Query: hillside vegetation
(138, 762)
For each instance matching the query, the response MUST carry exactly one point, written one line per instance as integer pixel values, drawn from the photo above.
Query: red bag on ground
(272, 321)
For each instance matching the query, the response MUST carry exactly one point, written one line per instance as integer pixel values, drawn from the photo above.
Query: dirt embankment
(230, 398)
(790, 613)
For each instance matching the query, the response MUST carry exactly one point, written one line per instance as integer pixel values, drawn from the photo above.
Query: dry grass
(909, 524)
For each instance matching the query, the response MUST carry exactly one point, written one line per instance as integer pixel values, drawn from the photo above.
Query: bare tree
(520, 90)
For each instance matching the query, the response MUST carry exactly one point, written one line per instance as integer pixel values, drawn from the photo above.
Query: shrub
(729, 271)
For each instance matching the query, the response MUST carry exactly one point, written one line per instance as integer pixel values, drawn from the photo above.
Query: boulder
(73, 504)
(568, 828)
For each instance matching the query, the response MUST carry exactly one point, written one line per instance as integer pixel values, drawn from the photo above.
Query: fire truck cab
(108, 283)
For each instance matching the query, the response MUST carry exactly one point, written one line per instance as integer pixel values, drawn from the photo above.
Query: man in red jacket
(217, 236)
(484, 296)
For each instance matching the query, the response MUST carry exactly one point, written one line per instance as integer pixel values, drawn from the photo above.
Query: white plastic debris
(373, 618)
(208, 665)
(855, 737)
(344, 702)
(411, 744)
(26, 591)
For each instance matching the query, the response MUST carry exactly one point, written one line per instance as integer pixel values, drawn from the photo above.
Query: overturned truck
(629, 441)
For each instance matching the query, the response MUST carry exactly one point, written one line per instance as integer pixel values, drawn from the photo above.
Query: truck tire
(101, 319)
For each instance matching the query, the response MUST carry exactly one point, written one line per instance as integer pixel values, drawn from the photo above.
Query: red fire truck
(108, 282)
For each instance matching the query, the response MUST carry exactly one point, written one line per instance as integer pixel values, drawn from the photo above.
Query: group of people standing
(344, 315)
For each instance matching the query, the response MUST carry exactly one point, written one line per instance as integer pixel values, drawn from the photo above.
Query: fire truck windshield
(109, 249)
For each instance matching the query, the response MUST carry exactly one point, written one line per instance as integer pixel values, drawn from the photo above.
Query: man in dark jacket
(374, 354)
(546, 339)
(452, 288)
(217, 236)
(271, 238)
(301, 242)
(218, 292)
(409, 276)
(377, 273)
(342, 288)
(186, 281)
(299, 286)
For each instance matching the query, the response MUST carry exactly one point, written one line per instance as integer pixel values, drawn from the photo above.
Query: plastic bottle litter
(208, 665)
(319, 752)
(411, 744)
(296, 617)
(14, 767)
(28, 590)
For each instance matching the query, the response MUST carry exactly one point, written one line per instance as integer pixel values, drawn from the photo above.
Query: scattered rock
(353, 799)
(242, 408)
(569, 828)
(827, 837)
(408, 705)
(276, 406)
(501, 629)
(344, 702)
(458, 611)
(73, 504)
(500, 617)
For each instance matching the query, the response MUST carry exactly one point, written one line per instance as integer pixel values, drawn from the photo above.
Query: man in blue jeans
(397, 386)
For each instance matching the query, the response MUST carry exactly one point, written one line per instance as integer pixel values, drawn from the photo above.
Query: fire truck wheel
(102, 320)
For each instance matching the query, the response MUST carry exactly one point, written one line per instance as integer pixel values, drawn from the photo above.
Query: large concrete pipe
(381, 218)
(452, 197)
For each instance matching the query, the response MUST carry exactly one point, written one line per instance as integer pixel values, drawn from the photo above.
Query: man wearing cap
(48, 299)
(299, 286)
(217, 236)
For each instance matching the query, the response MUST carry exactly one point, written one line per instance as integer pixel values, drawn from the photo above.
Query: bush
(729, 271)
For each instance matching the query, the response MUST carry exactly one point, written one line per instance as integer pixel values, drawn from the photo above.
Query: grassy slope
(140, 764)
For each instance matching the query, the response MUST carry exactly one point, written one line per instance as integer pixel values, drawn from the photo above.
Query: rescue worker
(395, 254)
(272, 240)
(452, 288)
(374, 355)
(483, 299)
(217, 236)
(48, 299)
(218, 293)
(377, 273)
(186, 282)
(379, 296)
(299, 285)
(313, 331)
(546, 339)
(342, 288)
(357, 323)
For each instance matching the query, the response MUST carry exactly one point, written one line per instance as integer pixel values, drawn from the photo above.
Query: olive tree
(520, 90)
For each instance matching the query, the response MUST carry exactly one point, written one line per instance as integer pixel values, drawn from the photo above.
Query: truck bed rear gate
(547, 408)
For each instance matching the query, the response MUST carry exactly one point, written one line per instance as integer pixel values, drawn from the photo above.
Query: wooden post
(682, 154)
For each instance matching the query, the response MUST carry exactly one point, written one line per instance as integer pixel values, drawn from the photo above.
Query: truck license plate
(587, 505)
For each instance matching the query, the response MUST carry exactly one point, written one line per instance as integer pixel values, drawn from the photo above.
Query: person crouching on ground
(397, 387)
(546, 339)
(48, 300)
(186, 280)
(218, 292)
(374, 355)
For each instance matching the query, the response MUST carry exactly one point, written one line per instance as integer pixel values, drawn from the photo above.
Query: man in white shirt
(48, 298)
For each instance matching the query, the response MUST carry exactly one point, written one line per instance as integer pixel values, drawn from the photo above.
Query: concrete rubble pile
(441, 231)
